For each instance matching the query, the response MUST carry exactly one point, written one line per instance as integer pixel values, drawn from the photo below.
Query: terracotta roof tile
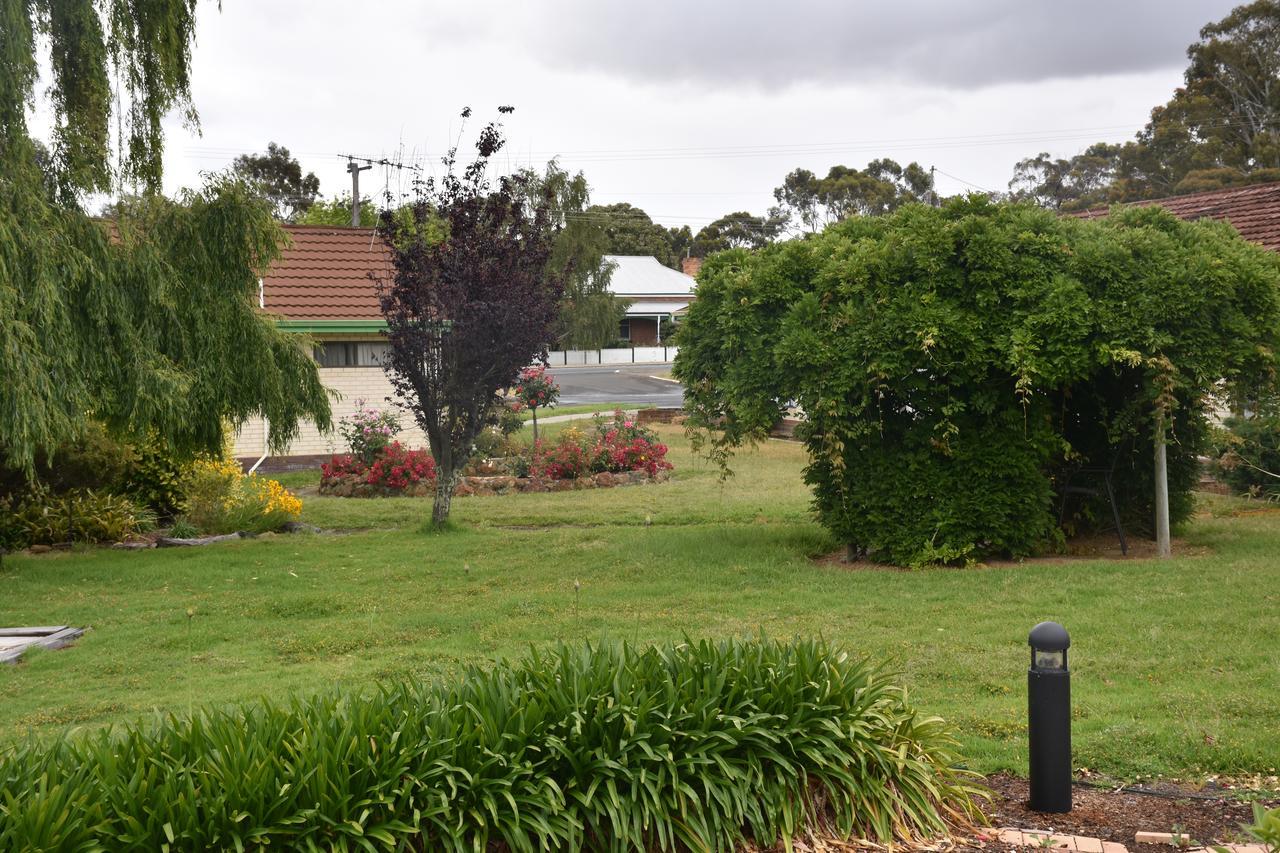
(1254, 210)
(323, 274)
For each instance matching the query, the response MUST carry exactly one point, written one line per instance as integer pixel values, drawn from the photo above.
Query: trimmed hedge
(601, 747)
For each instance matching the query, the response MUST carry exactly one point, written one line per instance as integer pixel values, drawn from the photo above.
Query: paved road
(624, 383)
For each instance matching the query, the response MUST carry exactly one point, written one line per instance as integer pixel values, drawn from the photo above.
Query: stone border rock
(352, 486)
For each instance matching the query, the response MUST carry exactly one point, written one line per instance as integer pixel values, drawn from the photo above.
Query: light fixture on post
(1049, 719)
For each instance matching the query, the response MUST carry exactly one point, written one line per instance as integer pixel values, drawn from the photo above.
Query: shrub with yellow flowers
(220, 498)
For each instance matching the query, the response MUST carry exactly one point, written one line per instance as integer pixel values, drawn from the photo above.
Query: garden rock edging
(353, 486)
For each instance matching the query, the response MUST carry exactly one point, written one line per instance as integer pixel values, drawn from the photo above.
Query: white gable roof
(642, 275)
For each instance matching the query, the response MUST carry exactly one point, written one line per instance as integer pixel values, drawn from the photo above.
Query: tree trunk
(534, 410)
(444, 498)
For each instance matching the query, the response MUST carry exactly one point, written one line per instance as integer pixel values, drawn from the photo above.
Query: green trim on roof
(336, 326)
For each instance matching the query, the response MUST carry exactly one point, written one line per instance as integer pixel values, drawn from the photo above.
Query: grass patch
(582, 409)
(1170, 670)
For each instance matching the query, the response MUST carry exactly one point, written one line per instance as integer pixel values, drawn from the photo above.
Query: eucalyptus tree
(277, 175)
(148, 324)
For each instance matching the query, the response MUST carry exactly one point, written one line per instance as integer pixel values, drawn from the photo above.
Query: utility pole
(355, 190)
(1163, 546)
(933, 186)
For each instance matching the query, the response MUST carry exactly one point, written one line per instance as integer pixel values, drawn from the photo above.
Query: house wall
(353, 384)
(644, 331)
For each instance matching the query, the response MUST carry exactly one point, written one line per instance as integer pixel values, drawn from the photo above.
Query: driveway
(632, 384)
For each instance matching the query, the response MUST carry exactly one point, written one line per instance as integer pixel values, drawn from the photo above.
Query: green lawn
(584, 409)
(1175, 664)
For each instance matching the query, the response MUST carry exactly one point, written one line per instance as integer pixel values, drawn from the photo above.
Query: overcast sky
(687, 109)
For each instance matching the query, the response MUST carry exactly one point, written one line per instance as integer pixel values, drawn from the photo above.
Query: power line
(1021, 137)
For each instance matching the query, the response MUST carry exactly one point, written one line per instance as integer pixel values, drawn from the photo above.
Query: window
(624, 329)
(336, 354)
(350, 354)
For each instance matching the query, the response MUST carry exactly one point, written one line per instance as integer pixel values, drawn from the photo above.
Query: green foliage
(956, 364)
(628, 230)
(43, 518)
(144, 471)
(589, 312)
(1247, 455)
(510, 421)
(808, 202)
(154, 332)
(155, 476)
(151, 323)
(97, 50)
(278, 177)
(183, 529)
(1220, 129)
(337, 212)
(219, 498)
(1266, 827)
(737, 230)
(692, 746)
(368, 431)
(94, 461)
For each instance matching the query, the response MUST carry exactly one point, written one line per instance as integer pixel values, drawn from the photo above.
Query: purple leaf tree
(470, 302)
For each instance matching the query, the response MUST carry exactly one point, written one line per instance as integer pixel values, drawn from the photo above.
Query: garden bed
(615, 452)
(356, 486)
(1118, 814)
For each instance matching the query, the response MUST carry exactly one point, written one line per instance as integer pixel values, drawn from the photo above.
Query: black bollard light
(1049, 718)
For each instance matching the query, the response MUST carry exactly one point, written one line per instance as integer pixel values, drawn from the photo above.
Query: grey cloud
(769, 45)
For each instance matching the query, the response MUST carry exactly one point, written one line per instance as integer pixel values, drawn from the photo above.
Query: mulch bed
(1108, 814)
(1116, 815)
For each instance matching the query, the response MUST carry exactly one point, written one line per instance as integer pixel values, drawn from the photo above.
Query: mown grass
(583, 409)
(1174, 663)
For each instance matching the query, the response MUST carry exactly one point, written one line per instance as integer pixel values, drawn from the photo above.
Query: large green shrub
(1247, 455)
(41, 517)
(694, 746)
(144, 470)
(956, 364)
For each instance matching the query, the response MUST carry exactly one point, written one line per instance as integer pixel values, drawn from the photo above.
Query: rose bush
(616, 445)
(394, 468)
(368, 431)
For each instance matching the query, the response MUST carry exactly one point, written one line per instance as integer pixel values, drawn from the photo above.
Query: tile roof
(1254, 210)
(323, 274)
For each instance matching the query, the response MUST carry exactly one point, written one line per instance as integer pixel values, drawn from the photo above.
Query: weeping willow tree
(147, 323)
(589, 313)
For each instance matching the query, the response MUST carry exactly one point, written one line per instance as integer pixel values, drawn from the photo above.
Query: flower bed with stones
(355, 486)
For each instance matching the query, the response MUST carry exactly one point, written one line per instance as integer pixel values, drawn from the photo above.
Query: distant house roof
(1254, 210)
(322, 279)
(323, 275)
(642, 275)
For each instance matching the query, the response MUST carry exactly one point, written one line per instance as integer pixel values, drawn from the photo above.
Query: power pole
(355, 190)
(933, 185)
(1163, 545)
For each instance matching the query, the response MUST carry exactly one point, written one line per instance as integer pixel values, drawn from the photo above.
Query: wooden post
(1163, 547)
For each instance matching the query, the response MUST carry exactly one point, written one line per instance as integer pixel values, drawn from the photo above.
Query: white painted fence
(630, 355)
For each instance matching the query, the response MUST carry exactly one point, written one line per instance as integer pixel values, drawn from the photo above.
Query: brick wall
(353, 383)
